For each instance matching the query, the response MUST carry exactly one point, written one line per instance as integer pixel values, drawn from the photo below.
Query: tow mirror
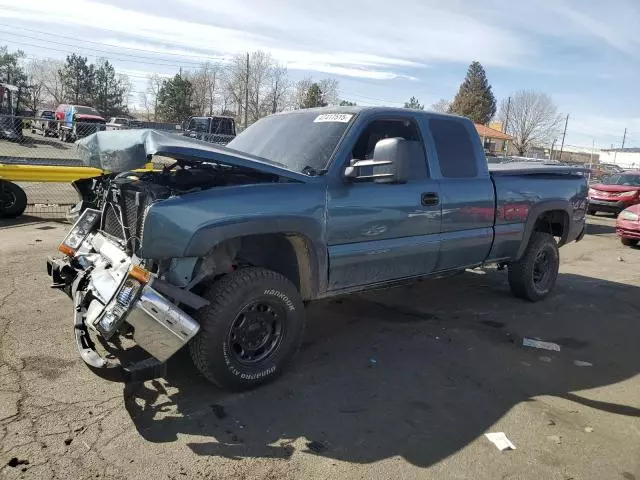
(389, 163)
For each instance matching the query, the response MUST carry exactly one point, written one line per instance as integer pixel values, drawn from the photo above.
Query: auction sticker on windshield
(334, 117)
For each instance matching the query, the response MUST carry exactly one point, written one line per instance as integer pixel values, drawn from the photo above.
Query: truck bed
(524, 168)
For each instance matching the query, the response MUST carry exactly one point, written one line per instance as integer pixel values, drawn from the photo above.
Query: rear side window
(454, 147)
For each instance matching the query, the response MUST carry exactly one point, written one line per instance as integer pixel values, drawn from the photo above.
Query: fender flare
(534, 214)
(304, 234)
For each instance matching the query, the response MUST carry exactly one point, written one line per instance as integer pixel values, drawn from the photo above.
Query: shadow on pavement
(418, 372)
(36, 142)
(600, 229)
(25, 220)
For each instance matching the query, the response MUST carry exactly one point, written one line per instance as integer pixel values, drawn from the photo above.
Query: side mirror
(389, 163)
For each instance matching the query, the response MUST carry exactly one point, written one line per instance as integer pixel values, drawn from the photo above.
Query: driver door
(382, 232)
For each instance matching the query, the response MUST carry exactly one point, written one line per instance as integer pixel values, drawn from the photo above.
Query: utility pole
(506, 119)
(246, 94)
(566, 122)
(624, 137)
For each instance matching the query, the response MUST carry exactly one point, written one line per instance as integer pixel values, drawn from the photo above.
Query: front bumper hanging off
(160, 327)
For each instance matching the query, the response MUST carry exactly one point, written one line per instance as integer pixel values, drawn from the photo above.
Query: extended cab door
(379, 232)
(466, 189)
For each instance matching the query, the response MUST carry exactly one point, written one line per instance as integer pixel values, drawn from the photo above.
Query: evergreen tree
(77, 76)
(109, 91)
(314, 97)
(475, 99)
(12, 73)
(175, 100)
(414, 103)
(347, 103)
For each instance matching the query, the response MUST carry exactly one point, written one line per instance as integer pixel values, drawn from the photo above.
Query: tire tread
(221, 293)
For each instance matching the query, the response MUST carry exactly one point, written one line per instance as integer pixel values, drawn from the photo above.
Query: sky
(584, 53)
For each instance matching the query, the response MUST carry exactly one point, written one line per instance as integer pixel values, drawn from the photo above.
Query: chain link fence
(45, 141)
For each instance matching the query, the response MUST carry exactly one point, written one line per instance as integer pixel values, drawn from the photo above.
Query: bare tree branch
(533, 119)
(441, 106)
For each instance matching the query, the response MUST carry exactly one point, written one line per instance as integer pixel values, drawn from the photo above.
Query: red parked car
(615, 193)
(628, 226)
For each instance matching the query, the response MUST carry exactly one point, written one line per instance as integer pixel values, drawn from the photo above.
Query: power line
(175, 65)
(91, 49)
(106, 44)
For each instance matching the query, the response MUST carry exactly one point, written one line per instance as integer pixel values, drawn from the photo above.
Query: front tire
(534, 276)
(14, 200)
(250, 331)
(629, 242)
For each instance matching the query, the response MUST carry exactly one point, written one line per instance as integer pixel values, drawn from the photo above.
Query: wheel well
(290, 255)
(555, 222)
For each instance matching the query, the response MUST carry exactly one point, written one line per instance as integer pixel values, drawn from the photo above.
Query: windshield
(629, 180)
(47, 114)
(86, 111)
(300, 141)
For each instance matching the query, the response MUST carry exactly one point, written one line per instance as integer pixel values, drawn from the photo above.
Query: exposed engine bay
(124, 198)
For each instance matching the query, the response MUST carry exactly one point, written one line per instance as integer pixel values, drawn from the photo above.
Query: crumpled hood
(124, 150)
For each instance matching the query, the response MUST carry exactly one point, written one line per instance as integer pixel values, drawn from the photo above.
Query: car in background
(45, 123)
(628, 226)
(78, 121)
(614, 193)
(122, 123)
(216, 129)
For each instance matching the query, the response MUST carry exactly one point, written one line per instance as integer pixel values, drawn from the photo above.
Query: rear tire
(250, 331)
(13, 201)
(629, 242)
(534, 276)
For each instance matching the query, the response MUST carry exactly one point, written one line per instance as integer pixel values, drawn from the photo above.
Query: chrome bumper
(95, 277)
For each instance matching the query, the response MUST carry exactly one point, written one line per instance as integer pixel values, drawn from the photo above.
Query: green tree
(347, 103)
(313, 97)
(109, 92)
(475, 99)
(77, 76)
(12, 72)
(175, 100)
(413, 103)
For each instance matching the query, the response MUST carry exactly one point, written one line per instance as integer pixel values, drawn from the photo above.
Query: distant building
(493, 141)
(623, 157)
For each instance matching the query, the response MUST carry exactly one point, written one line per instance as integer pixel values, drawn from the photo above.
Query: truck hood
(123, 150)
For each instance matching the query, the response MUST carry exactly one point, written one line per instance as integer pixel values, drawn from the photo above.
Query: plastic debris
(530, 342)
(551, 423)
(545, 359)
(620, 259)
(588, 429)
(373, 361)
(580, 363)
(555, 438)
(500, 440)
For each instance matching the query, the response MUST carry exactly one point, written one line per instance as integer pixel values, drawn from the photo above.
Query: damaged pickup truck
(221, 249)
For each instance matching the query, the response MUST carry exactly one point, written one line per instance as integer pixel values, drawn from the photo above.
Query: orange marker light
(66, 250)
(140, 274)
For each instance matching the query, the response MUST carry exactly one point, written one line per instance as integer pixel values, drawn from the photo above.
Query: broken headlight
(117, 309)
(83, 227)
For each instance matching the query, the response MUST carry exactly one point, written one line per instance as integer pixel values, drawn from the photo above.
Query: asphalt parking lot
(401, 383)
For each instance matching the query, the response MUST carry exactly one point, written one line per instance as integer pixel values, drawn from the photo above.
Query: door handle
(430, 199)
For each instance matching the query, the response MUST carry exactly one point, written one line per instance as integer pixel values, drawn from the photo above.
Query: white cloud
(358, 39)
